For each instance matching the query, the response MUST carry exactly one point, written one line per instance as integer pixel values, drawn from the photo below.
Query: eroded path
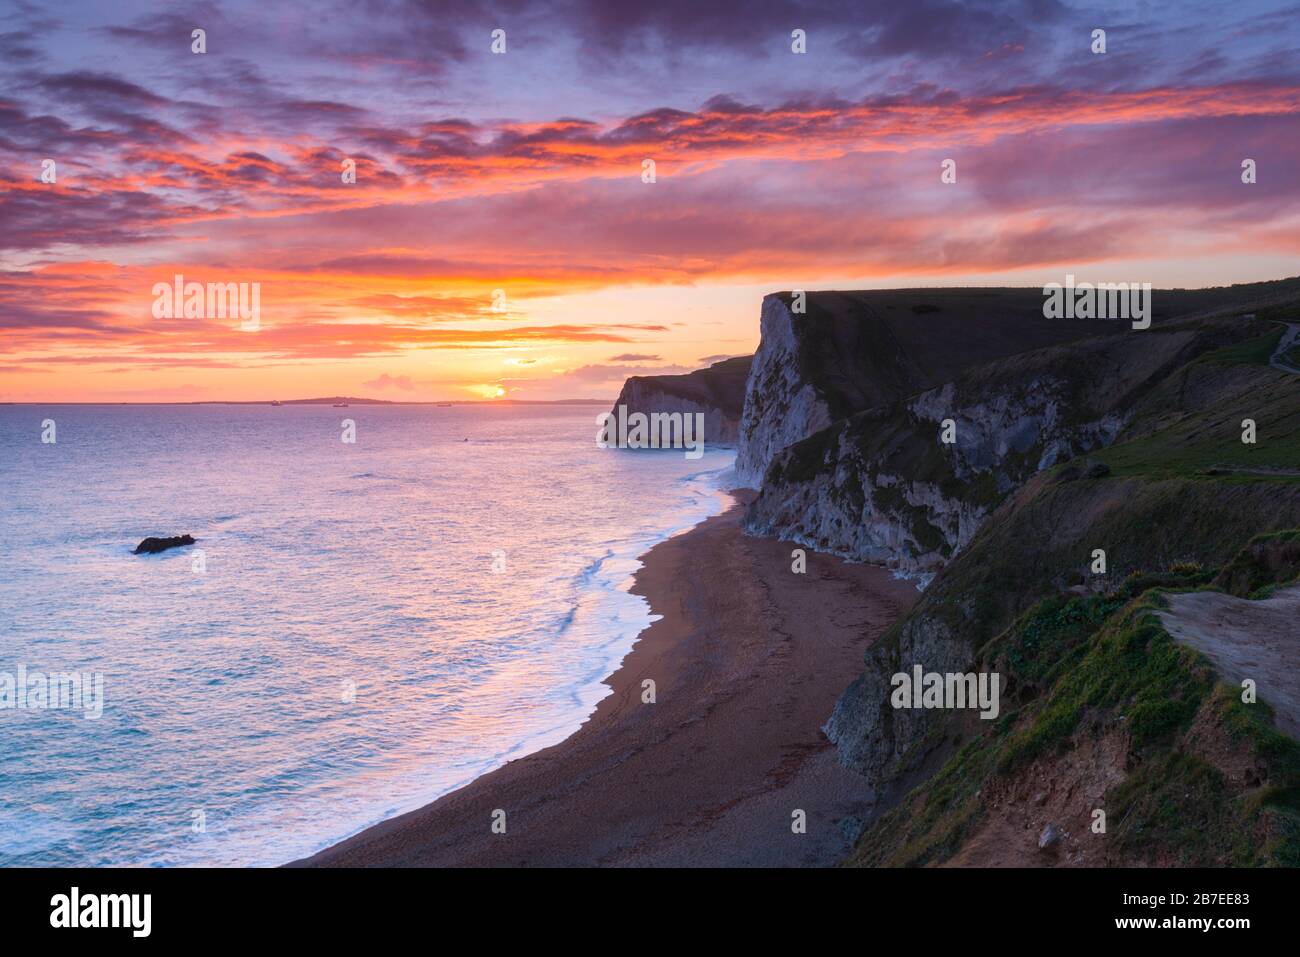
(1259, 640)
(1285, 345)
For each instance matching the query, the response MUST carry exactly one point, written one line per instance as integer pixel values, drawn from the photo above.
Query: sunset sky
(523, 172)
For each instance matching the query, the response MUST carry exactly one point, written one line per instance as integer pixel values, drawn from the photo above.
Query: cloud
(385, 381)
(607, 373)
(36, 216)
(868, 27)
(86, 87)
(522, 173)
(140, 175)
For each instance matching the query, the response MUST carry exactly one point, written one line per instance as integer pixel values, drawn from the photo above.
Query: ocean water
(349, 650)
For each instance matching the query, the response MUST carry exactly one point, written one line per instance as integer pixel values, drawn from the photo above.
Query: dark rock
(151, 546)
(1049, 841)
(852, 827)
(1096, 469)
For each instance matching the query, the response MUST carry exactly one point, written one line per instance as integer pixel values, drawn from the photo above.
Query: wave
(601, 600)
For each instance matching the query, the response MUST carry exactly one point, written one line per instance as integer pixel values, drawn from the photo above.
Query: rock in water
(152, 545)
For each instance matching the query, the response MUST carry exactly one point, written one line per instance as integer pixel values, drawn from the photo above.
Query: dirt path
(1289, 340)
(1259, 640)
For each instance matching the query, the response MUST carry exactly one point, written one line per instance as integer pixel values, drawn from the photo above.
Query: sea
(360, 627)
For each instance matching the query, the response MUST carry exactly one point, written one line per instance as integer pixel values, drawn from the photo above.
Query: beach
(747, 662)
(419, 673)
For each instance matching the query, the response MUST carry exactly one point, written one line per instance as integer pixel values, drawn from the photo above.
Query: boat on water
(277, 402)
(340, 405)
(444, 405)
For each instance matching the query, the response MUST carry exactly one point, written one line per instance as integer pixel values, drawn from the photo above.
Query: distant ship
(277, 402)
(340, 405)
(444, 405)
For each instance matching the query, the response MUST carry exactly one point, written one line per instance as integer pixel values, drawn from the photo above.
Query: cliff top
(868, 347)
(721, 385)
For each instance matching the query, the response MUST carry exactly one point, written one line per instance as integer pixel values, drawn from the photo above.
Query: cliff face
(1126, 441)
(717, 391)
(880, 486)
(1175, 487)
(1040, 545)
(853, 351)
(780, 407)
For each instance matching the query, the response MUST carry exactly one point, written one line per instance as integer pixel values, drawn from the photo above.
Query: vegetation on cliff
(1182, 770)
(1125, 443)
(717, 392)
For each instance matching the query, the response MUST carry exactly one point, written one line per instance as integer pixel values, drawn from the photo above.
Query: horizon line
(323, 400)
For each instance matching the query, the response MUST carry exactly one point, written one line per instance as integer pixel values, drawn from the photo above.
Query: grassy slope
(1183, 488)
(1223, 387)
(1085, 666)
(1172, 494)
(1186, 386)
(1096, 668)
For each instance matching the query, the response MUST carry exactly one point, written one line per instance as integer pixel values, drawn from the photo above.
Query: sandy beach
(748, 660)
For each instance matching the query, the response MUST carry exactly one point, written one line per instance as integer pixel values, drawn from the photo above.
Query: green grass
(1088, 666)
(1182, 807)
(1180, 803)
(1050, 638)
(805, 460)
(1286, 312)
(1222, 388)
(1197, 445)
(931, 826)
(1266, 561)
(1133, 669)
(1249, 352)
(1180, 492)
(1038, 545)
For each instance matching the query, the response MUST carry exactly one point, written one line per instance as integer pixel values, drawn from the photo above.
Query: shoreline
(747, 660)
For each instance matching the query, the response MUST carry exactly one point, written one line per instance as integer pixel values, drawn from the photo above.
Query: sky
(501, 239)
